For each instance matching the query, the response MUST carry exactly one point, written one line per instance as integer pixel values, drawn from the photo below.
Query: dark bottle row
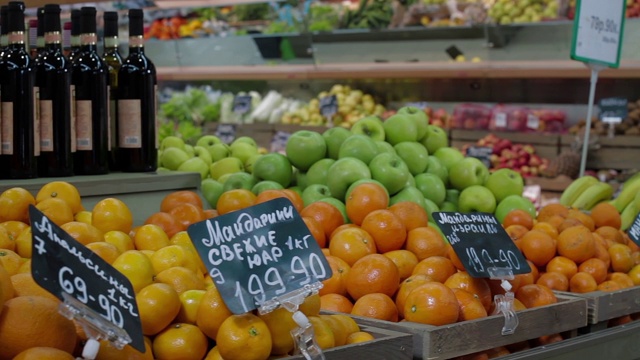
(78, 113)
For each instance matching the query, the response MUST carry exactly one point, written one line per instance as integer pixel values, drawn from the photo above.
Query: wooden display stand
(620, 152)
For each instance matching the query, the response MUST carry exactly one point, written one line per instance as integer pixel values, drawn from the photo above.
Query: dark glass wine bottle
(113, 59)
(3, 28)
(75, 35)
(90, 77)
(53, 78)
(137, 83)
(20, 129)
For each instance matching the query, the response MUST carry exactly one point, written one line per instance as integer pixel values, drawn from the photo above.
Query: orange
(83, 216)
(7, 242)
(601, 251)
(178, 198)
(546, 228)
(621, 258)
(280, 323)
(359, 337)
(10, 261)
(136, 267)
(61, 190)
(43, 352)
(323, 334)
(534, 295)
(56, 210)
(6, 287)
(337, 283)
(187, 214)
(233, 200)
(351, 244)
(112, 214)
(470, 306)
(189, 303)
(576, 243)
(554, 281)
(567, 223)
(14, 228)
(327, 215)
(538, 247)
(158, 305)
(270, 194)
(107, 252)
(386, 229)
(376, 306)
(516, 231)
(342, 227)
(528, 278)
(550, 210)
(214, 354)
(181, 278)
(348, 322)
(439, 268)
(167, 222)
(496, 285)
(150, 237)
(245, 337)
(605, 214)
(211, 312)
(30, 321)
(337, 328)
(582, 282)
(433, 304)
(183, 341)
(634, 274)
(171, 256)
(25, 285)
(405, 289)
(596, 267)
(24, 243)
(316, 231)
(25, 267)
(609, 285)
(295, 197)
(14, 204)
(547, 339)
(554, 221)
(120, 240)
(82, 232)
(405, 260)
(451, 255)
(411, 214)
(611, 234)
(311, 305)
(373, 273)
(425, 241)
(365, 198)
(585, 219)
(477, 286)
(518, 217)
(335, 302)
(624, 280)
(563, 265)
(210, 213)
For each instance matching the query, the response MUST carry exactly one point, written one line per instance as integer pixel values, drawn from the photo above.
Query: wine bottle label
(129, 124)
(109, 118)
(72, 92)
(88, 39)
(84, 126)
(136, 41)
(16, 37)
(7, 128)
(53, 38)
(46, 125)
(36, 121)
(113, 134)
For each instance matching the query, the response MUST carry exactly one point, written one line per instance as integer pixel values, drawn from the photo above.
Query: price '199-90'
(505, 259)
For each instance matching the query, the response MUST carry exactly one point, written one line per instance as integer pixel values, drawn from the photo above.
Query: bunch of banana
(628, 201)
(585, 192)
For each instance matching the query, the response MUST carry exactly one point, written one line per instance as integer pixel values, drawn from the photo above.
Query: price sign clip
(94, 325)
(504, 303)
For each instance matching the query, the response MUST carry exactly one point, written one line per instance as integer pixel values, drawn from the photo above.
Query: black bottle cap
(135, 22)
(18, 3)
(110, 23)
(75, 22)
(88, 20)
(15, 17)
(4, 22)
(52, 18)
(40, 16)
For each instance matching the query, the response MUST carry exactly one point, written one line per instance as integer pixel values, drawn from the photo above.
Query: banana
(627, 216)
(593, 195)
(629, 190)
(577, 187)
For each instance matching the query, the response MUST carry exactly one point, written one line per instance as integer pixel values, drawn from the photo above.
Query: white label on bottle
(46, 125)
(72, 91)
(501, 120)
(36, 121)
(129, 124)
(113, 120)
(108, 118)
(84, 126)
(7, 128)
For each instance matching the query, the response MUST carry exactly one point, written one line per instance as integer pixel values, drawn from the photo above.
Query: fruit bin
(546, 145)
(262, 133)
(620, 152)
(467, 337)
(388, 344)
(142, 192)
(604, 306)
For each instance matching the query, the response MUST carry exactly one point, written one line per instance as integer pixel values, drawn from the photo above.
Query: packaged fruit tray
(603, 306)
(388, 344)
(467, 337)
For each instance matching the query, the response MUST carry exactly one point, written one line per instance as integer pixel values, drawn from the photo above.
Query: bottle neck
(40, 42)
(136, 44)
(4, 40)
(111, 43)
(52, 40)
(88, 41)
(75, 41)
(16, 38)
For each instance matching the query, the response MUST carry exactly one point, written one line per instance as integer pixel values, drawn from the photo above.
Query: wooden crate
(604, 306)
(388, 344)
(620, 152)
(547, 145)
(445, 342)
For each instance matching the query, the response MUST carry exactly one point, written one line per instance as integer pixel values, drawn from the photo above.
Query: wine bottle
(90, 76)
(20, 129)
(3, 28)
(113, 59)
(137, 84)
(75, 34)
(53, 78)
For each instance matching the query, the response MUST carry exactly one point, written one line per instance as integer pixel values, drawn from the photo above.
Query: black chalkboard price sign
(481, 153)
(258, 253)
(242, 104)
(226, 133)
(60, 264)
(634, 230)
(329, 106)
(481, 243)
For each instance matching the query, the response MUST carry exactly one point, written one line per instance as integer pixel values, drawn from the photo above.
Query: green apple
(219, 151)
(228, 165)
(413, 154)
(430, 207)
(513, 202)
(477, 198)
(208, 142)
(411, 181)
(391, 171)
(317, 173)
(314, 193)
(448, 206)
(275, 167)
(399, 128)
(243, 150)
(408, 194)
(201, 152)
(240, 180)
(211, 191)
(173, 157)
(435, 138)
(172, 142)
(467, 172)
(345, 172)
(453, 196)
(505, 182)
(418, 116)
(431, 187)
(162, 170)
(263, 185)
(384, 146)
(222, 179)
(448, 156)
(362, 181)
(189, 150)
(370, 126)
(300, 179)
(245, 139)
(360, 147)
(304, 148)
(435, 167)
(339, 205)
(334, 137)
(195, 164)
(248, 165)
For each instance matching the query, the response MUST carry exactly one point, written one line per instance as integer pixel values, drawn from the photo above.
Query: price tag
(634, 230)
(481, 243)
(500, 120)
(60, 264)
(258, 253)
(613, 110)
(420, 104)
(226, 132)
(597, 31)
(481, 153)
(533, 122)
(242, 104)
(453, 52)
(279, 141)
(329, 106)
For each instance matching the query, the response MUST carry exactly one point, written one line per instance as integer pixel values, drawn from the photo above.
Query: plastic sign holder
(597, 41)
(504, 303)
(328, 108)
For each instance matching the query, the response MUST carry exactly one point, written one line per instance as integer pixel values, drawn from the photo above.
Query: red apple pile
(519, 157)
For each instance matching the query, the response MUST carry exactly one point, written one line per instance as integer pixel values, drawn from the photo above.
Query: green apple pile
(523, 11)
